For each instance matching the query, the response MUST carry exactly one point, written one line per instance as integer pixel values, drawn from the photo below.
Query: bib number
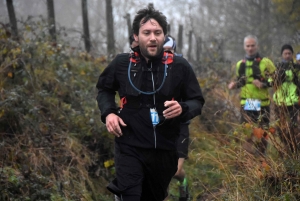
(154, 116)
(252, 104)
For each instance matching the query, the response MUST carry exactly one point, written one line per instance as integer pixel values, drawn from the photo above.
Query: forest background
(53, 145)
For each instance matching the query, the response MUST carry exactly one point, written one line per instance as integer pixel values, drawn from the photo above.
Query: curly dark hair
(131, 38)
(146, 14)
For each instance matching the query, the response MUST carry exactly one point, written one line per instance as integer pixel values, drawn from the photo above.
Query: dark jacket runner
(180, 84)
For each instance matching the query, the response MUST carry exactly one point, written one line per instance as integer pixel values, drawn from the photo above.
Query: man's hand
(174, 109)
(258, 83)
(113, 123)
(231, 85)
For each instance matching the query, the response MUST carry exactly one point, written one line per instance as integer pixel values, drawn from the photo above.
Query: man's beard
(146, 54)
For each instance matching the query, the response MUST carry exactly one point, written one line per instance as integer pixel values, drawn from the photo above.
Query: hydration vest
(281, 76)
(256, 73)
(287, 72)
(134, 83)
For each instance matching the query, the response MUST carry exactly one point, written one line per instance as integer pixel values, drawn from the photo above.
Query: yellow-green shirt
(286, 92)
(249, 90)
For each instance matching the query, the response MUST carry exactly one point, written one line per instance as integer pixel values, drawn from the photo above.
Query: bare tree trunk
(12, 18)
(266, 36)
(189, 55)
(127, 17)
(110, 29)
(179, 39)
(168, 29)
(51, 19)
(199, 48)
(86, 31)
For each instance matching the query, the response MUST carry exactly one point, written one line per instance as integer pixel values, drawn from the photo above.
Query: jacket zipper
(154, 130)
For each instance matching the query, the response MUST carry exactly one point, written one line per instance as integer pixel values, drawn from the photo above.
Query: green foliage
(52, 142)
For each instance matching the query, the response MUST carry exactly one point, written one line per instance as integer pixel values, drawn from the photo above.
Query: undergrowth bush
(52, 144)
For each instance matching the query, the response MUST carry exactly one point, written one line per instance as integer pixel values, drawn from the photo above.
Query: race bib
(154, 116)
(252, 104)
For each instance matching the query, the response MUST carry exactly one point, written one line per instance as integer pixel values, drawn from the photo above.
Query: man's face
(150, 38)
(250, 47)
(287, 55)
